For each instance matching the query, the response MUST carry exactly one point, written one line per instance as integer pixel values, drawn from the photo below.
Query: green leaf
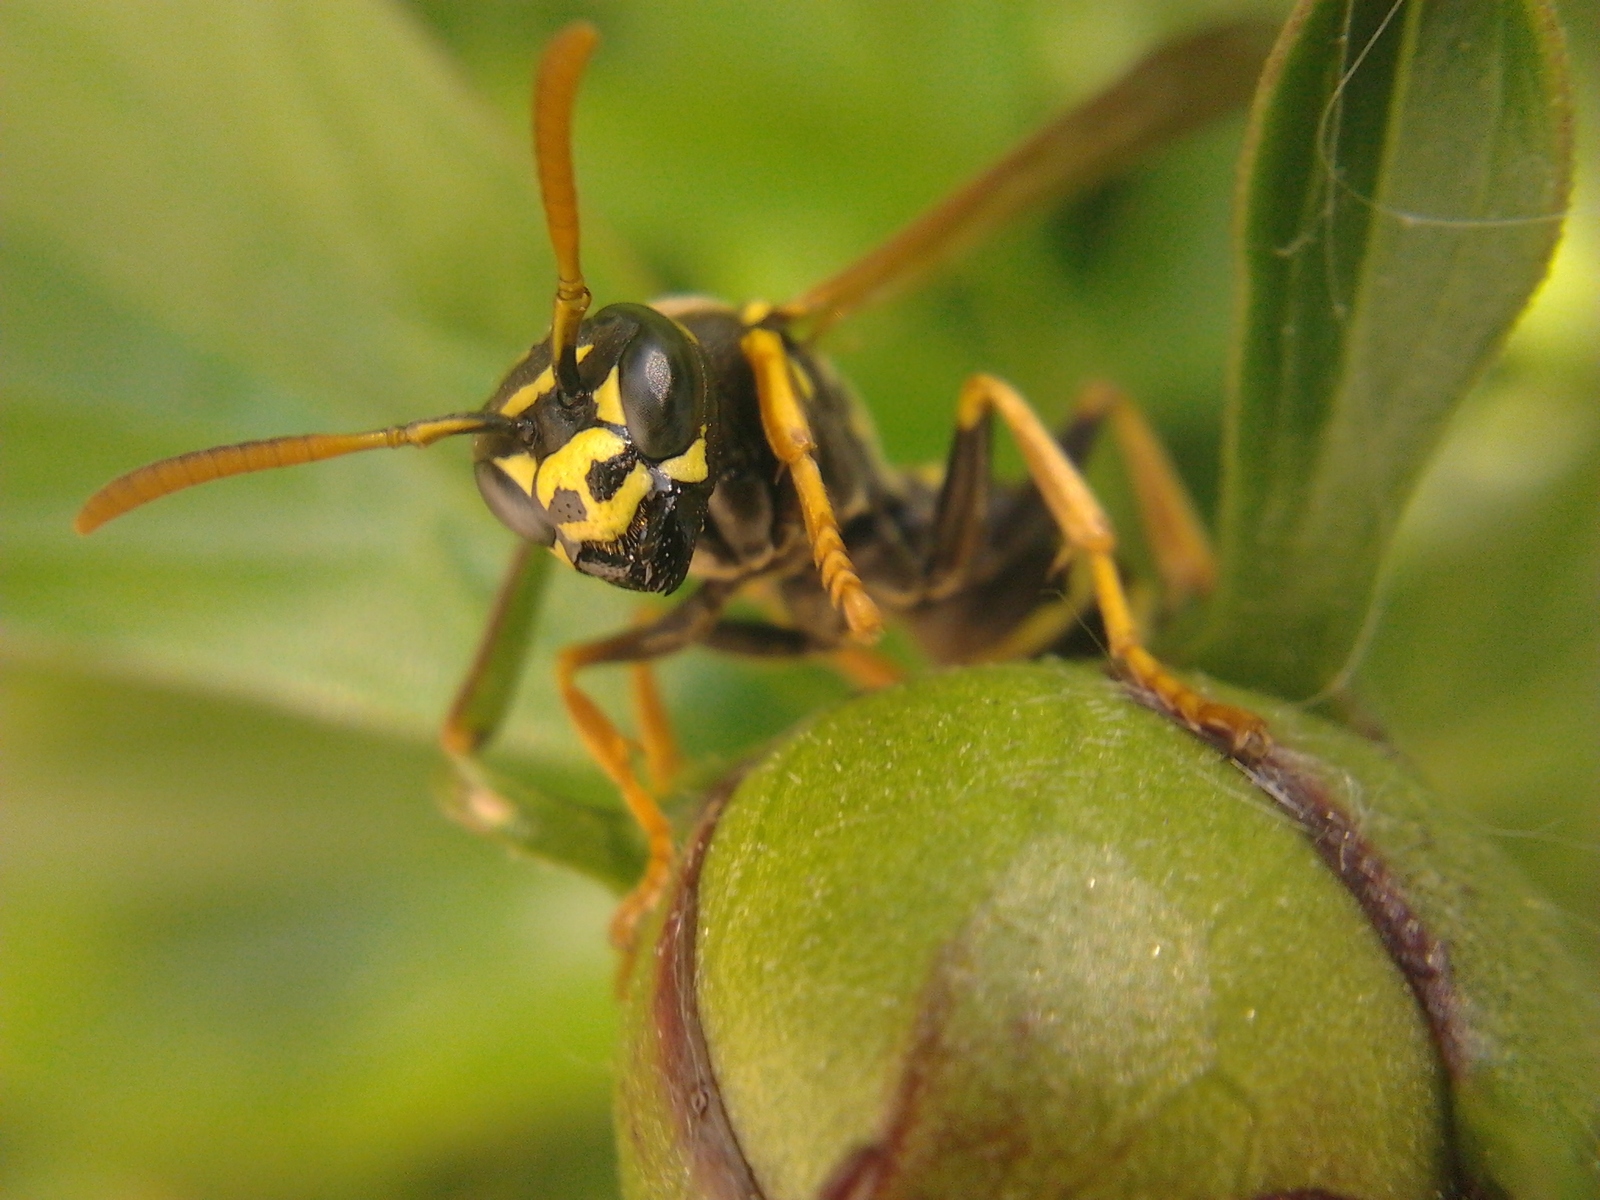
(227, 221)
(1405, 177)
(244, 957)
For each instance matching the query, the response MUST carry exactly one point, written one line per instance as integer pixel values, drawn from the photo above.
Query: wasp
(648, 444)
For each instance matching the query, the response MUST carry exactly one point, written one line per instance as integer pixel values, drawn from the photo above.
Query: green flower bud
(1007, 933)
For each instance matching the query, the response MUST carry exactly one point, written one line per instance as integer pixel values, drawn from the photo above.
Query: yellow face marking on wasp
(563, 488)
(690, 466)
(608, 401)
(523, 398)
(520, 468)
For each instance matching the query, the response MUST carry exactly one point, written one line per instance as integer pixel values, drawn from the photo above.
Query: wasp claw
(1244, 733)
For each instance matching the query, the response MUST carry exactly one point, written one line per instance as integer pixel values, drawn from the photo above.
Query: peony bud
(1005, 932)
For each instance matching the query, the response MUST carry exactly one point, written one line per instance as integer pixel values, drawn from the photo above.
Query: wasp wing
(1178, 88)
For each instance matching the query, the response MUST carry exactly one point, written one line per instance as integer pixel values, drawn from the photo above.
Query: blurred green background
(241, 954)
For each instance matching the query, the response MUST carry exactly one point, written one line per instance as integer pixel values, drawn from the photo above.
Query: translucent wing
(1178, 88)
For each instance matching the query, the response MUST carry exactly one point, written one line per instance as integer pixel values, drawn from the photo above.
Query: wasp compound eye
(662, 384)
(516, 509)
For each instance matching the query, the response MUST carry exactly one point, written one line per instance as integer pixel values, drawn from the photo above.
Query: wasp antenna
(129, 491)
(554, 90)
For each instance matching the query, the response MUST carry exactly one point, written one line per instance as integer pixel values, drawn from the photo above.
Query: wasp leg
(865, 667)
(485, 696)
(657, 741)
(789, 434)
(1086, 529)
(959, 515)
(861, 665)
(961, 523)
(1177, 539)
(486, 693)
(685, 625)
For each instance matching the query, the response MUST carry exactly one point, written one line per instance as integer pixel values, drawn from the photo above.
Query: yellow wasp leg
(789, 434)
(485, 696)
(486, 693)
(683, 626)
(657, 741)
(1177, 539)
(1087, 531)
(611, 750)
(865, 667)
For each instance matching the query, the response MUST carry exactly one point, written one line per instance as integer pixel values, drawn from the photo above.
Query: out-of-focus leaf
(234, 220)
(244, 957)
(1485, 664)
(1404, 181)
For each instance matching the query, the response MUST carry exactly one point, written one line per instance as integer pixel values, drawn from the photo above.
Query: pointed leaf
(1404, 181)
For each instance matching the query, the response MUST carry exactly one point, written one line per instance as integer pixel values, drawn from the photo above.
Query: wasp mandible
(648, 444)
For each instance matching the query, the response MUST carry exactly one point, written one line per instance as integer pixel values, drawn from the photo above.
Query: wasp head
(608, 462)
